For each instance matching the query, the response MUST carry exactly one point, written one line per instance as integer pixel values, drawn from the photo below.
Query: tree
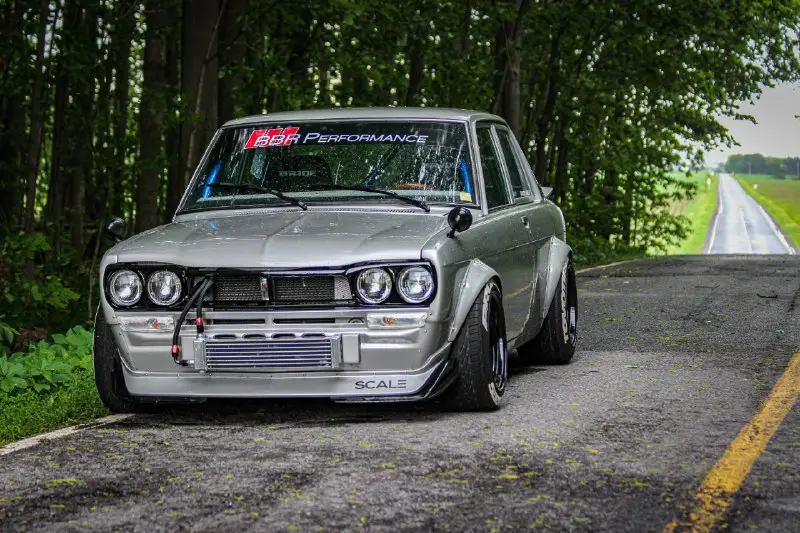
(106, 106)
(199, 83)
(152, 113)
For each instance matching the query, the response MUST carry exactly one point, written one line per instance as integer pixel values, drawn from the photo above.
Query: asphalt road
(741, 226)
(675, 356)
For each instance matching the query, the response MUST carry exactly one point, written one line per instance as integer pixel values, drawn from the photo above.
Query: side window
(496, 192)
(519, 184)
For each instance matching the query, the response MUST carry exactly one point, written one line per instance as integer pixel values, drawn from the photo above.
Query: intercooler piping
(197, 296)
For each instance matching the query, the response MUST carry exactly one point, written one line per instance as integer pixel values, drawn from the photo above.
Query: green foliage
(47, 365)
(49, 385)
(7, 334)
(31, 412)
(778, 167)
(37, 301)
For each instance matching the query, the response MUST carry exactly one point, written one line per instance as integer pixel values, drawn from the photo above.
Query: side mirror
(547, 192)
(460, 219)
(116, 229)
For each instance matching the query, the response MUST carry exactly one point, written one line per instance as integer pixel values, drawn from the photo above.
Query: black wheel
(556, 341)
(480, 355)
(108, 372)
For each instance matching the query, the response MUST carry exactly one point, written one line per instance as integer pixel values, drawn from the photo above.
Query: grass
(781, 198)
(700, 211)
(30, 412)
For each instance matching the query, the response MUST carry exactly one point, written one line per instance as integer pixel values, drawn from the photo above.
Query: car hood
(285, 239)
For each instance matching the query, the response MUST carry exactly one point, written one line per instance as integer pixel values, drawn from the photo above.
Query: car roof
(367, 113)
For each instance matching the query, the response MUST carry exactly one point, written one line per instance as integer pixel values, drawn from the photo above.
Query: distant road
(742, 226)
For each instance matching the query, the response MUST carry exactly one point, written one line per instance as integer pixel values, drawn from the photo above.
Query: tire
(480, 356)
(108, 372)
(555, 343)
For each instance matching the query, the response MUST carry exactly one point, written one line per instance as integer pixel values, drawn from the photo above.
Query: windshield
(428, 161)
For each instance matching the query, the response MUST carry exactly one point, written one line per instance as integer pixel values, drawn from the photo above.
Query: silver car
(367, 255)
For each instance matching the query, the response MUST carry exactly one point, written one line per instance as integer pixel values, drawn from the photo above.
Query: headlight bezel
(178, 283)
(388, 286)
(144, 271)
(112, 295)
(407, 271)
(394, 269)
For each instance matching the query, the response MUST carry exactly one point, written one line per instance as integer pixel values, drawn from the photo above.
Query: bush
(39, 300)
(45, 365)
(49, 385)
(7, 334)
(589, 251)
(31, 412)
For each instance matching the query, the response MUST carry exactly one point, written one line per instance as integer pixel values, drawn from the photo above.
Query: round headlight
(415, 284)
(164, 287)
(125, 288)
(374, 285)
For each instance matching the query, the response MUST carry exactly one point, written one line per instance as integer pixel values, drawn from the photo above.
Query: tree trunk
(561, 144)
(12, 112)
(545, 117)
(231, 53)
(299, 60)
(173, 127)
(415, 71)
(87, 55)
(35, 137)
(507, 67)
(125, 18)
(151, 127)
(199, 81)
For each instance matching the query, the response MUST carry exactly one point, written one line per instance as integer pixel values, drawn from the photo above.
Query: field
(781, 198)
(699, 210)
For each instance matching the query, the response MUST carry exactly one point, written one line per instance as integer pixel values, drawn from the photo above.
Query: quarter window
(519, 185)
(496, 191)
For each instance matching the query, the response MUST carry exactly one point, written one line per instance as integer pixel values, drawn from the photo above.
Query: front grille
(238, 289)
(260, 289)
(295, 353)
(311, 288)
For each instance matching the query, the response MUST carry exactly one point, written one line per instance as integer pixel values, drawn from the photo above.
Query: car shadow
(294, 412)
(303, 412)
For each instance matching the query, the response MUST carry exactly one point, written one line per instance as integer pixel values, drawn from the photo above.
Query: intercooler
(272, 353)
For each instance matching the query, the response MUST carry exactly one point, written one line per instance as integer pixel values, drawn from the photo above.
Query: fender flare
(472, 280)
(554, 254)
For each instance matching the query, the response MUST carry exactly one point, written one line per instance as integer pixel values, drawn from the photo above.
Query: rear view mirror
(547, 192)
(460, 219)
(116, 229)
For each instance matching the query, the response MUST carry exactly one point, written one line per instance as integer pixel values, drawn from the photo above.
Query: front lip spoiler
(439, 381)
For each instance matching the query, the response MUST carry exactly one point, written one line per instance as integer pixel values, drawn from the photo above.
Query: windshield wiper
(363, 188)
(256, 188)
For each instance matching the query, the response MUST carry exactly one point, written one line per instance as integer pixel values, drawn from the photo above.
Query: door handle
(525, 222)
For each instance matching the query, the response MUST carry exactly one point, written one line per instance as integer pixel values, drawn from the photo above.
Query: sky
(777, 132)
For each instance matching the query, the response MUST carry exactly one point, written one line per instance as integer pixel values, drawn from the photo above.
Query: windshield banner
(288, 136)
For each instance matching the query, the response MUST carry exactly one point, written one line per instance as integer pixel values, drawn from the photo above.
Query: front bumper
(386, 364)
(343, 385)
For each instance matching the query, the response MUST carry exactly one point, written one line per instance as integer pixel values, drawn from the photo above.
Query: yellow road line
(724, 479)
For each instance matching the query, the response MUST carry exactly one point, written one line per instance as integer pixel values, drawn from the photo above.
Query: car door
(507, 246)
(527, 195)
